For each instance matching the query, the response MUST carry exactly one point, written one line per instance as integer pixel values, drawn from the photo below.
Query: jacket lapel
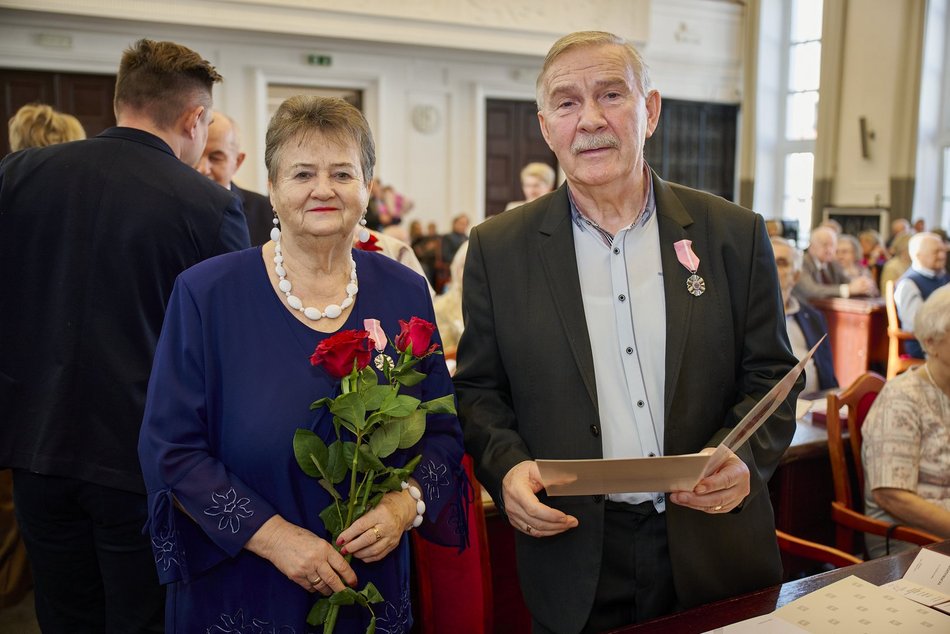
(672, 220)
(559, 261)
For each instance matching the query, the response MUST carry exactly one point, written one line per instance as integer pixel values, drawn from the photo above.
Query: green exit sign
(319, 60)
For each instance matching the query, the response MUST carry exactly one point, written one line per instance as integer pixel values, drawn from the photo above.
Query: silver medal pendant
(695, 285)
(382, 360)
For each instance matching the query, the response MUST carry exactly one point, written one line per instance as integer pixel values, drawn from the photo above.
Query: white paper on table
(855, 605)
(663, 473)
(927, 581)
(765, 624)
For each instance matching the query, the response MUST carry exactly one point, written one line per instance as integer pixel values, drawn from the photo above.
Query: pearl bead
(295, 302)
(351, 289)
(333, 311)
(312, 313)
(346, 303)
(416, 523)
(275, 234)
(284, 285)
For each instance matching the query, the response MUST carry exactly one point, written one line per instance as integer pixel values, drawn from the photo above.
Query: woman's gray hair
(302, 115)
(932, 322)
(594, 38)
(855, 244)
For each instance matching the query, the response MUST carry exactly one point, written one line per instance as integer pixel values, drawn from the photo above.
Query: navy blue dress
(231, 383)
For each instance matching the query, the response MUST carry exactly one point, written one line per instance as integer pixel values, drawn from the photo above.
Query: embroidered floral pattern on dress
(395, 619)
(229, 509)
(166, 552)
(236, 624)
(433, 478)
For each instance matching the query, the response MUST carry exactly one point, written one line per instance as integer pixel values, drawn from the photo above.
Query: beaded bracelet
(420, 505)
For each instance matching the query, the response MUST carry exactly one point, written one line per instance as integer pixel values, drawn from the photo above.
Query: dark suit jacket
(813, 326)
(527, 390)
(92, 236)
(810, 285)
(259, 214)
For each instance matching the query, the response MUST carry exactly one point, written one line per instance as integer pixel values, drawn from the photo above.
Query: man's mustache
(594, 142)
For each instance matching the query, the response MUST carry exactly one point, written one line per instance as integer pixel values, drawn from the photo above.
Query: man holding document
(622, 316)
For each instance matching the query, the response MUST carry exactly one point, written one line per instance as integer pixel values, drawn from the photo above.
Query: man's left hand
(719, 492)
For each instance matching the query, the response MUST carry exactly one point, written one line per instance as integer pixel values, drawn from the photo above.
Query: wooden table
(857, 329)
(722, 613)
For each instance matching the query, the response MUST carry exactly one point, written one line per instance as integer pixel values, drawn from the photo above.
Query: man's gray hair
(796, 254)
(594, 38)
(932, 322)
(917, 242)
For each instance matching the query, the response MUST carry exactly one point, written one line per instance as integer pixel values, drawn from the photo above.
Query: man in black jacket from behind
(92, 237)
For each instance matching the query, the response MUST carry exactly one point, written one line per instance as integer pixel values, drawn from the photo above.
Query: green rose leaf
(402, 405)
(371, 593)
(346, 596)
(332, 520)
(350, 409)
(409, 377)
(442, 405)
(385, 439)
(367, 378)
(375, 396)
(323, 402)
(310, 452)
(337, 465)
(411, 428)
(330, 489)
(371, 628)
(368, 461)
(318, 613)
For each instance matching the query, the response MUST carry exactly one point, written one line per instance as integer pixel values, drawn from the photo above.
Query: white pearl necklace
(313, 314)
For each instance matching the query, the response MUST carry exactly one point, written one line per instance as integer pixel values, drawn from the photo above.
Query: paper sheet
(662, 473)
(927, 581)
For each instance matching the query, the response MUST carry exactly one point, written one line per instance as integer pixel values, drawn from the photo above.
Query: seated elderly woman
(907, 432)
(235, 522)
(849, 256)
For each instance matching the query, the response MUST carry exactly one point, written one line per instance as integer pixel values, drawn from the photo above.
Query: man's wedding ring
(718, 508)
(528, 528)
(316, 582)
(376, 530)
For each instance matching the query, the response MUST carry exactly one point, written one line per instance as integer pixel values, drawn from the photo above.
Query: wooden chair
(847, 509)
(897, 362)
(814, 551)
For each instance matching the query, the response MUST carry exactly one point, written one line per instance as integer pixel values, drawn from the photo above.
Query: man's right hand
(861, 286)
(525, 511)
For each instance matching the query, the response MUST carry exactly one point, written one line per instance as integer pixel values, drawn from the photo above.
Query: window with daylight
(796, 145)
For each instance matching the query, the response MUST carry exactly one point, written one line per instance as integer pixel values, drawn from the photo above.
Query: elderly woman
(537, 179)
(907, 432)
(849, 256)
(38, 125)
(234, 521)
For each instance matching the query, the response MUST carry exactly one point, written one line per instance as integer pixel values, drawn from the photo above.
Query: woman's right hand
(310, 562)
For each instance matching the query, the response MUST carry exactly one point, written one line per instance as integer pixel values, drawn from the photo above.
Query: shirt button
(659, 499)
(595, 430)
(639, 403)
(652, 455)
(629, 350)
(616, 251)
(621, 297)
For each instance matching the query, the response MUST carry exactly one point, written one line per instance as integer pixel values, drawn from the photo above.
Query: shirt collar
(931, 273)
(585, 223)
(792, 307)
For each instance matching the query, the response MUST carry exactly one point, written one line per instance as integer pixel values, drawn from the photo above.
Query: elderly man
(220, 160)
(927, 273)
(622, 316)
(822, 276)
(93, 235)
(805, 325)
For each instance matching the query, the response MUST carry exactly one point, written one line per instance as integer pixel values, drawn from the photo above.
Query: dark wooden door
(695, 145)
(86, 97)
(513, 139)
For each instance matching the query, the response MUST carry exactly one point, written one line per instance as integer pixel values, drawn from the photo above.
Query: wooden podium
(857, 329)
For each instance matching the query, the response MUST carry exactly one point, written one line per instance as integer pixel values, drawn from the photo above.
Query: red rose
(418, 332)
(336, 354)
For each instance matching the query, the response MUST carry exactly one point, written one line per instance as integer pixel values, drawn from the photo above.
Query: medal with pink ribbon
(684, 253)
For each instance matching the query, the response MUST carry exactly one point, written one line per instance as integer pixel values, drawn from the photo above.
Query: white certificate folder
(662, 473)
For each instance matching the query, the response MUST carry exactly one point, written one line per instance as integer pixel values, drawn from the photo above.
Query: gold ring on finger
(376, 530)
(718, 508)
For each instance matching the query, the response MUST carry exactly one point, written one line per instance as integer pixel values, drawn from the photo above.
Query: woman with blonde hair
(38, 125)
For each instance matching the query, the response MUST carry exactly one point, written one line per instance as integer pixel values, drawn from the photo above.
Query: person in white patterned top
(906, 451)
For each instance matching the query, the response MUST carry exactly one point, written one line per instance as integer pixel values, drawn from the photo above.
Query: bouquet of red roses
(372, 420)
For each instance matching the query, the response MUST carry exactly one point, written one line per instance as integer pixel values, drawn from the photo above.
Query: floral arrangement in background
(372, 420)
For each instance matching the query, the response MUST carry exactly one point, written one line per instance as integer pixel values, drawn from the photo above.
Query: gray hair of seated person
(300, 115)
(593, 38)
(797, 257)
(855, 244)
(932, 322)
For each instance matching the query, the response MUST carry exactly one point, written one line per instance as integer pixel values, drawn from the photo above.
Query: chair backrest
(846, 467)
(896, 361)
(814, 551)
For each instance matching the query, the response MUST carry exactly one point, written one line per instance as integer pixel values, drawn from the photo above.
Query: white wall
(485, 49)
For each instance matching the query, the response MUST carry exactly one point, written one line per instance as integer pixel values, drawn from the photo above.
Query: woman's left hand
(719, 492)
(378, 532)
